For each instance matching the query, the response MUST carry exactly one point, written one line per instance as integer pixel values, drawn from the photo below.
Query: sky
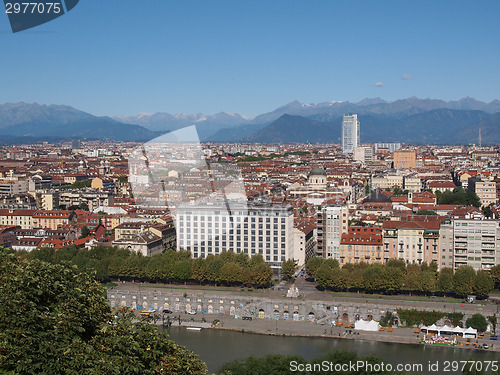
(123, 57)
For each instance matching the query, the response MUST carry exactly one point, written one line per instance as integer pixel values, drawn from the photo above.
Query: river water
(216, 347)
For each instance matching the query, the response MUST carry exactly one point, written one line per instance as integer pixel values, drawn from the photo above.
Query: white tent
(367, 325)
(432, 328)
(470, 332)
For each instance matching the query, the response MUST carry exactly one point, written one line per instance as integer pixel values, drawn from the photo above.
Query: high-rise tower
(350, 133)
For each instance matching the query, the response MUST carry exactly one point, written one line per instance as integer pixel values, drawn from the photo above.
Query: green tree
(312, 265)
(324, 276)
(373, 278)
(495, 275)
(231, 273)
(342, 357)
(411, 279)
(270, 364)
(445, 280)
(261, 274)
(54, 320)
(288, 269)
(463, 281)
(471, 199)
(477, 321)
(426, 281)
(493, 320)
(483, 284)
(393, 279)
(84, 206)
(85, 232)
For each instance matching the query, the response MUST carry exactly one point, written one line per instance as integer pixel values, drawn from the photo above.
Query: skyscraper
(350, 134)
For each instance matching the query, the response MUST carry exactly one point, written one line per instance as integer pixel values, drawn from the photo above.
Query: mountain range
(412, 120)
(27, 123)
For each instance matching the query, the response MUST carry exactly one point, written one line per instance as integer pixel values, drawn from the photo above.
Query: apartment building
(52, 219)
(332, 221)
(485, 190)
(362, 244)
(22, 218)
(387, 181)
(414, 241)
(476, 243)
(405, 159)
(446, 245)
(129, 230)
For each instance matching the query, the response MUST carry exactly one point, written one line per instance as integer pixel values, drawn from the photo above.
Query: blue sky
(122, 57)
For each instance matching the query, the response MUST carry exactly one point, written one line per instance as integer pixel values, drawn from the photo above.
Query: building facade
(362, 244)
(476, 243)
(265, 230)
(485, 190)
(332, 223)
(350, 133)
(405, 159)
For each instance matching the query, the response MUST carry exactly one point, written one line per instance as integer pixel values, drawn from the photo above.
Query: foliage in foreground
(54, 320)
(293, 364)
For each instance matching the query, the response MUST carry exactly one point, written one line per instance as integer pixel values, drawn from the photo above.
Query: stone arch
(310, 316)
(210, 309)
(232, 310)
(123, 303)
(276, 314)
(345, 317)
(262, 314)
(188, 307)
(357, 317)
(286, 315)
(369, 317)
(296, 316)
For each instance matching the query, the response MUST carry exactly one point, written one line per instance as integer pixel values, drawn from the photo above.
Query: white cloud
(406, 76)
(378, 84)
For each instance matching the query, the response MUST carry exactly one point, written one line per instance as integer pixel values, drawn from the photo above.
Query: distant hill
(40, 122)
(225, 126)
(440, 126)
(296, 129)
(411, 120)
(490, 131)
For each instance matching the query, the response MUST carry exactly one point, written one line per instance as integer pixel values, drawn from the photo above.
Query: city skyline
(250, 59)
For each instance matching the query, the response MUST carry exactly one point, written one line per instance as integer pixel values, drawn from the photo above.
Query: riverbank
(314, 330)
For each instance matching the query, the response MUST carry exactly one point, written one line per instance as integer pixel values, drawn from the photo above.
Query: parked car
(493, 337)
(167, 311)
(192, 312)
(246, 318)
(145, 312)
(486, 346)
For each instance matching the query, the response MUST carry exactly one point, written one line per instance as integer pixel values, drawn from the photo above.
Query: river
(216, 347)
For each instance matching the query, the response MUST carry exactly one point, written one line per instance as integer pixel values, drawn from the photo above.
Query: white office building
(350, 133)
(263, 229)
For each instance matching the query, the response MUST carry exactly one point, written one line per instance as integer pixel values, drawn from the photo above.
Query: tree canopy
(55, 320)
(397, 277)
